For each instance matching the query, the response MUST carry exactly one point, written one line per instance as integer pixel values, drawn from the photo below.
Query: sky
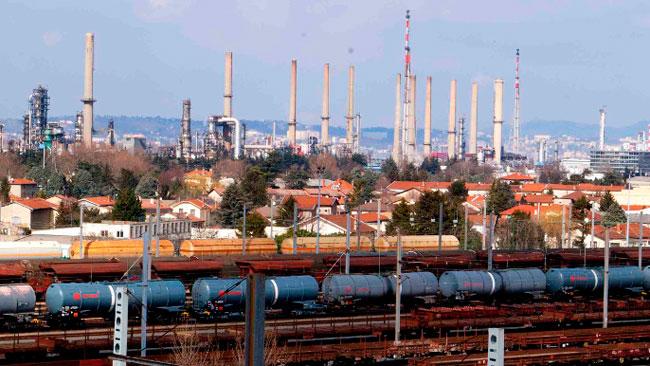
(576, 56)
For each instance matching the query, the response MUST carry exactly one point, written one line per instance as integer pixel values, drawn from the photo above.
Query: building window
(103, 233)
(119, 234)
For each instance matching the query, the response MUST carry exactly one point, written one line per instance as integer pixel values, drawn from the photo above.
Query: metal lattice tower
(516, 121)
(407, 86)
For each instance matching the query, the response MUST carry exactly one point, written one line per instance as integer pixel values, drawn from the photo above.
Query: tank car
(625, 277)
(17, 303)
(573, 279)
(346, 289)
(521, 281)
(414, 284)
(163, 296)
(74, 300)
(460, 283)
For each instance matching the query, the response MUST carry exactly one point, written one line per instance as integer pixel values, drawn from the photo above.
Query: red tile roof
(371, 217)
(403, 185)
(36, 204)
(597, 188)
(101, 201)
(528, 209)
(192, 201)
(341, 222)
(150, 204)
(518, 177)
(532, 187)
(311, 202)
(478, 186)
(340, 185)
(539, 198)
(21, 181)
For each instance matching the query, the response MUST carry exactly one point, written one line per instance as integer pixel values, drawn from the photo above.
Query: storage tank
(482, 283)
(339, 288)
(90, 297)
(289, 289)
(228, 291)
(646, 277)
(17, 298)
(625, 277)
(518, 281)
(415, 284)
(161, 294)
(578, 279)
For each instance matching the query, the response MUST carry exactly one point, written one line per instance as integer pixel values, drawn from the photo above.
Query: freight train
(223, 298)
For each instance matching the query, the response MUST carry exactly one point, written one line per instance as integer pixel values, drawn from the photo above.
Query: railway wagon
(220, 296)
(519, 281)
(414, 284)
(17, 303)
(347, 289)
(460, 283)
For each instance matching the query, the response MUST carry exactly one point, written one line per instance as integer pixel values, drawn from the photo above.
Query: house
(169, 229)
(410, 195)
(539, 199)
(22, 187)
(216, 194)
(474, 189)
(102, 203)
(307, 205)
(517, 178)
(198, 180)
(150, 206)
(340, 185)
(33, 213)
(617, 235)
(56, 200)
(371, 219)
(475, 203)
(335, 224)
(401, 186)
(198, 211)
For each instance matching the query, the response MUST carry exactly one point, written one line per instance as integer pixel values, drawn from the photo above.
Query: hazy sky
(576, 56)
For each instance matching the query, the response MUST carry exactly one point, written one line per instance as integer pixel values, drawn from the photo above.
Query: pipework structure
(110, 134)
(78, 128)
(426, 148)
(39, 104)
(88, 100)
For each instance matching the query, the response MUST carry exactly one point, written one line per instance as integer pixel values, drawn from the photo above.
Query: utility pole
(295, 228)
(440, 228)
(569, 227)
(627, 214)
(606, 280)
(465, 230)
(358, 224)
(591, 241)
(146, 272)
(157, 225)
(484, 244)
(81, 231)
(243, 233)
(347, 238)
(491, 241)
(272, 206)
(563, 227)
(378, 216)
(641, 239)
(398, 288)
(320, 180)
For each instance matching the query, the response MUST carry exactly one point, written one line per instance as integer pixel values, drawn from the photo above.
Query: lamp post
(320, 180)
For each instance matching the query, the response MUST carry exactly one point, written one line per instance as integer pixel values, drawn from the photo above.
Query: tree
(56, 184)
(426, 210)
(606, 201)
(253, 187)
(401, 220)
(92, 180)
(67, 214)
(255, 225)
(296, 178)
(551, 173)
(613, 215)
(359, 159)
(4, 190)
(390, 170)
(232, 206)
(126, 180)
(580, 218)
(147, 187)
(286, 212)
(363, 183)
(430, 165)
(128, 206)
(458, 192)
(611, 178)
(500, 198)
(519, 232)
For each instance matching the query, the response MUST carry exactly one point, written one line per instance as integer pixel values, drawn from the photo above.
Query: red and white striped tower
(515, 122)
(407, 88)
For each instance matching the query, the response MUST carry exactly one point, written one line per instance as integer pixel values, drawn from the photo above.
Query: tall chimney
(412, 124)
(291, 132)
(601, 135)
(350, 115)
(427, 120)
(451, 132)
(325, 116)
(88, 100)
(473, 119)
(186, 130)
(227, 84)
(397, 139)
(498, 119)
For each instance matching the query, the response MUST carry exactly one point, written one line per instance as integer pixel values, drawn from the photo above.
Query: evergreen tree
(232, 206)
(255, 225)
(390, 170)
(606, 201)
(127, 180)
(253, 187)
(613, 216)
(68, 214)
(286, 212)
(296, 178)
(359, 159)
(500, 198)
(401, 220)
(128, 207)
(4, 190)
(430, 165)
(56, 184)
(426, 212)
(458, 192)
(147, 187)
(580, 212)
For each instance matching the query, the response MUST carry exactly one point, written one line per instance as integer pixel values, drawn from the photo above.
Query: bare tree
(190, 351)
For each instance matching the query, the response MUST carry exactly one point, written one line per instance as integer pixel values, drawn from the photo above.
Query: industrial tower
(406, 109)
(516, 122)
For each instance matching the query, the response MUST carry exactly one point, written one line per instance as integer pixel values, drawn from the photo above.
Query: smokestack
(601, 135)
(451, 133)
(2, 137)
(397, 139)
(110, 134)
(473, 119)
(350, 116)
(325, 116)
(412, 124)
(427, 120)
(227, 90)
(88, 100)
(498, 119)
(186, 130)
(291, 132)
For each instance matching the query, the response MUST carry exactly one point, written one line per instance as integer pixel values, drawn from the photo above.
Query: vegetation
(128, 206)
(519, 232)
(500, 197)
(255, 225)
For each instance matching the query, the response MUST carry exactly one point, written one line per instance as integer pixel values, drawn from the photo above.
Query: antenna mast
(515, 124)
